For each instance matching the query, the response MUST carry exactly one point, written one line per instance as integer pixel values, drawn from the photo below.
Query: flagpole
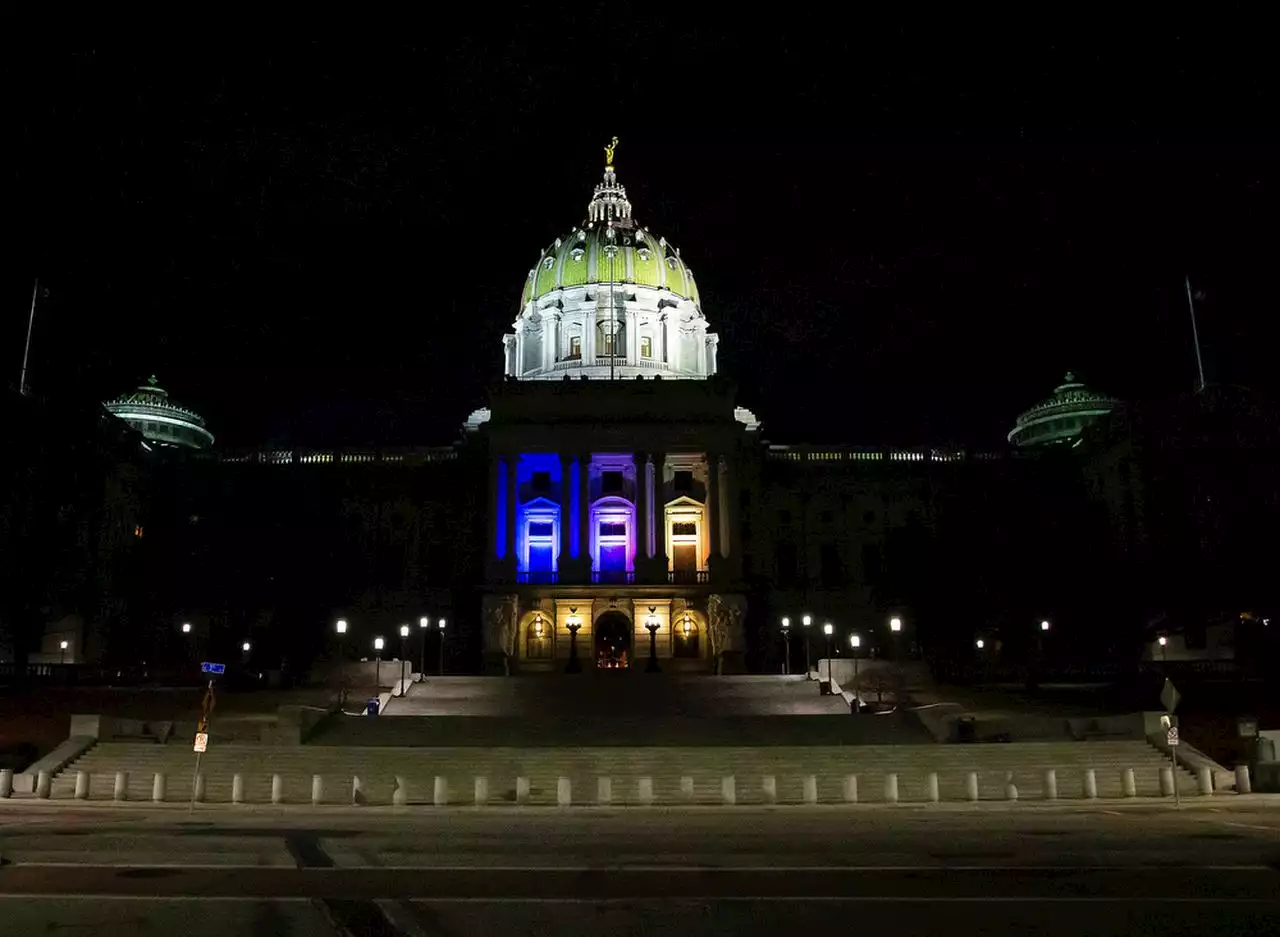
(1195, 334)
(26, 351)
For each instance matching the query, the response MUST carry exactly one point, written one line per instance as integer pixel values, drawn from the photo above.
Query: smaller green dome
(1062, 417)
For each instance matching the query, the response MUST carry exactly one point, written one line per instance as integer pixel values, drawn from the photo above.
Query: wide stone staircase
(379, 766)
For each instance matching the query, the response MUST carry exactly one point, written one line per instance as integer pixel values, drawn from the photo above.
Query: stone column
(712, 511)
(672, 321)
(584, 509)
(633, 338)
(550, 341)
(702, 350)
(723, 508)
(657, 514)
(713, 344)
(510, 482)
(519, 346)
(643, 510)
(567, 520)
(497, 521)
(508, 355)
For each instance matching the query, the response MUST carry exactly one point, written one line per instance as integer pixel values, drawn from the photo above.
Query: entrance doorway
(613, 641)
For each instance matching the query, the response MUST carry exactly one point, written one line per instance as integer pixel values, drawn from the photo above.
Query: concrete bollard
(1204, 779)
(891, 788)
(400, 793)
(200, 786)
(931, 788)
(121, 790)
(277, 789)
(564, 792)
(1050, 784)
(851, 789)
(644, 791)
(358, 797)
(971, 785)
(810, 786)
(44, 785)
(440, 796)
(1128, 785)
(158, 785)
(686, 790)
(728, 790)
(769, 786)
(1243, 784)
(522, 791)
(1091, 784)
(1166, 781)
(317, 790)
(1010, 789)
(237, 788)
(6, 782)
(82, 785)
(481, 791)
(604, 791)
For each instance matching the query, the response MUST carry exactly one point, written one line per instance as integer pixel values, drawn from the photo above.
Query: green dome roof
(1061, 418)
(609, 247)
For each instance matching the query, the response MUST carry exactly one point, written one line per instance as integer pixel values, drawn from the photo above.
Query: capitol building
(626, 512)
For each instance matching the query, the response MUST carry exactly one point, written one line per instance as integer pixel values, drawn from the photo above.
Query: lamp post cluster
(342, 626)
(573, 623)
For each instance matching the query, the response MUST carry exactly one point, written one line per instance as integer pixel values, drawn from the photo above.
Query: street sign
(1172, 735)
(209, 667)
(202, 742)
(1169, 696)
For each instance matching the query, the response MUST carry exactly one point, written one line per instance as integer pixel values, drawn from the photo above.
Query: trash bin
(371, 707)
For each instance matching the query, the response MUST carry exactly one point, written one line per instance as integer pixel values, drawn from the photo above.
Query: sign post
(1169, 697)
(202, 727)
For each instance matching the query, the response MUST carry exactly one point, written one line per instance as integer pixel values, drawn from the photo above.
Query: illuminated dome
(161, 422)
(610, 299)
(1062, 417)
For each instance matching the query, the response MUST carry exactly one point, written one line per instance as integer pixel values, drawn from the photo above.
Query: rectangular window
(685, 558)
(575, 346)
(684, 529)
(683, 481)
(542, 482)
(540, 528)
(832, 572)
(646, 346)
(613, 557)
(612, 529)
(540, 558)
(611, 483)
(787, 563)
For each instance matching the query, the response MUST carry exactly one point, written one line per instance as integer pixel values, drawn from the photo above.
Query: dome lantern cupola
(161, 422)
(1062, 417)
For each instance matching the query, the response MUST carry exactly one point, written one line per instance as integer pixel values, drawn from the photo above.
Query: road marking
(865, 899)
(649, 869)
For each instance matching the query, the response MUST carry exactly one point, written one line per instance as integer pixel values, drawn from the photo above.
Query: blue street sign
(207, 667)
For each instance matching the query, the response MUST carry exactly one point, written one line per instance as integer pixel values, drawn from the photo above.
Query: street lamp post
(895, 630)
(786, 646)
(440, 625)
(340, 626)
(404, 645)
(62, 652)
(423, 624)
(855, 642)
(652, 625)
(828, 630)
(573, 623)
(377, 665)
(1164, 657)
(806, 621)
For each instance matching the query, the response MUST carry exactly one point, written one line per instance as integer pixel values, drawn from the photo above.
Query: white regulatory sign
(202, 741)
(1173, 735)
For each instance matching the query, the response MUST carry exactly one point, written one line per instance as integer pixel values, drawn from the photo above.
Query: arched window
(538, 638)
(612, 339)
(685, 635)
(646, 346)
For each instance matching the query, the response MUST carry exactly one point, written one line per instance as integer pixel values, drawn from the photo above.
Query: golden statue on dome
(608, 153)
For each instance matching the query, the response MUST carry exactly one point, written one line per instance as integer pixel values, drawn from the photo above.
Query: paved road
(964, 871)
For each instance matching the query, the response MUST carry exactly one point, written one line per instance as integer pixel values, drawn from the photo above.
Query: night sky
(900, 237)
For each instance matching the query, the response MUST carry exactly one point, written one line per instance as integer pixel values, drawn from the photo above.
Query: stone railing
(760, 789)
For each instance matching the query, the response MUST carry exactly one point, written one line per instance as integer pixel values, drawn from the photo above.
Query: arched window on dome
(646, 346)
(611, 340)
(572, 350)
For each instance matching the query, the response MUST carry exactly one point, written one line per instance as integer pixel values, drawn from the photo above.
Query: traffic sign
(1172, 735)
(209, 667)
(1169, 696)
(202, 742)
